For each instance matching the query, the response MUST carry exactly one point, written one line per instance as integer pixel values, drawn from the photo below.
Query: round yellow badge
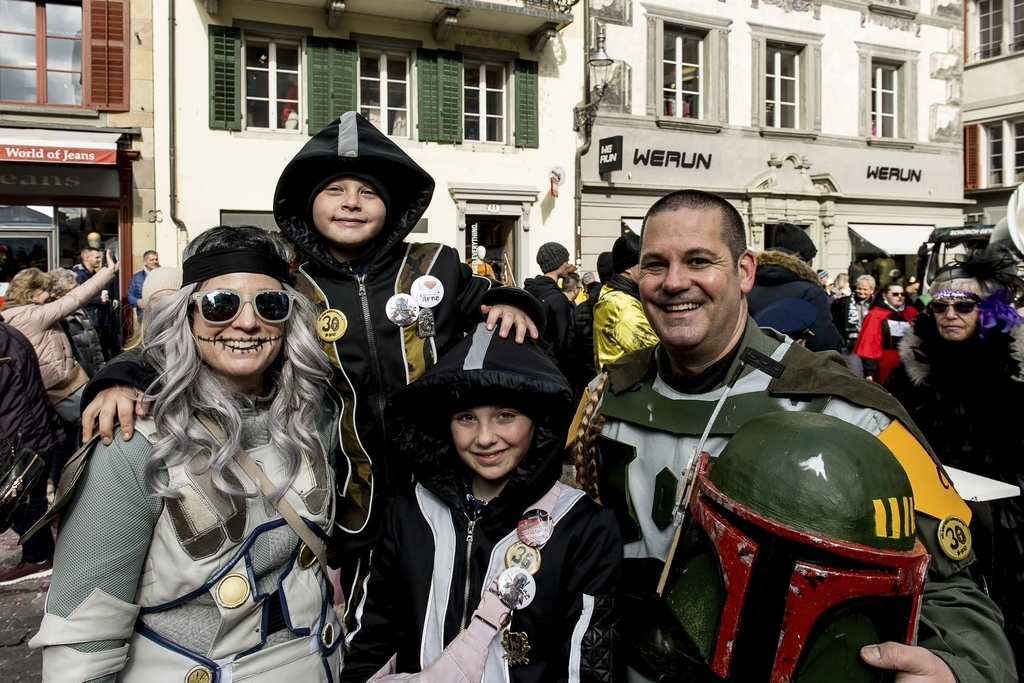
(200, 674)
(954, 537)
(331, 325)
(233, 590)
(523, 556)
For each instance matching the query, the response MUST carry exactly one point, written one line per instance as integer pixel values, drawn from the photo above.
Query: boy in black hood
(484, 433)
(348, 200)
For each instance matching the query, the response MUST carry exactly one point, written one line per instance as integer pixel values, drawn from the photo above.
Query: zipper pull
(362, 285)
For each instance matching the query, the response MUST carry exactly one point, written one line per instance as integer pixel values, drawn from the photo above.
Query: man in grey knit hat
(553, 260)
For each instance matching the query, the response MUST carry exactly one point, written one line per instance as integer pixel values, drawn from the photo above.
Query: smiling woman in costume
(180, 558)
(962, 380)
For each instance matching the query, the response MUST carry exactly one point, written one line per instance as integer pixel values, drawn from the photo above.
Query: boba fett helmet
(799, 550)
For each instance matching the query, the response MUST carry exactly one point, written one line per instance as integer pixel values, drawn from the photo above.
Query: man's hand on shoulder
(510, 316)
(121, 401)
(912, 664)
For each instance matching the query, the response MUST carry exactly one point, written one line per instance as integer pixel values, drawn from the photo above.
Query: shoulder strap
(258, 476)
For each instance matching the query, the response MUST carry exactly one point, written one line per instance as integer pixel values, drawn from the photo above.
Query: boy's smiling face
(349, 213)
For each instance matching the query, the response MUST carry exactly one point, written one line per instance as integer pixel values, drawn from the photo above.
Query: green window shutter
(429, 113)
(527, 106)
(439, 94)
(331, 80)
(225, 78)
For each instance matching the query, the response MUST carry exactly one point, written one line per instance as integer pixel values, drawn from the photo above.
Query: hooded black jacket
(558, 316)
(577, 582)
(781, 275)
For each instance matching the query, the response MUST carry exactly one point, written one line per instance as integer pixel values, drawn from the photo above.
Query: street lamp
(601, 64)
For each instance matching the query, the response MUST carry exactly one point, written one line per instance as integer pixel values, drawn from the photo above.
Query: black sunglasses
(961, 307)
(219, 307)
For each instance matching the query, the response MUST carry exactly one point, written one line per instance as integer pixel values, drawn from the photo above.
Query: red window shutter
(107, 79)
(971, 166)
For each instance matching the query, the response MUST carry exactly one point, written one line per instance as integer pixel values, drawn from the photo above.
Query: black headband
(208, 264)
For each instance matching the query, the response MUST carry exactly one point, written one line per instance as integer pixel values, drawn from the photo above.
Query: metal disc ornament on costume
(954, 537)
(535, 528)
(402, 310)
(427, 290)
(523, 556)
(331, 325)
(516, 588)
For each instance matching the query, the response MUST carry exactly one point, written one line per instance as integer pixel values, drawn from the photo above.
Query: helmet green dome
(819, 475)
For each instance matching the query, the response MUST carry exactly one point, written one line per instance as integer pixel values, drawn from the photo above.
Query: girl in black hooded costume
(440, 545)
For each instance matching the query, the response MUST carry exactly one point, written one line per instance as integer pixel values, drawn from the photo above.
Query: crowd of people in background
(402, 523)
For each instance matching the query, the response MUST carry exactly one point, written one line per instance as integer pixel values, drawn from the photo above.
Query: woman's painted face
(239, 351)
(492, 441)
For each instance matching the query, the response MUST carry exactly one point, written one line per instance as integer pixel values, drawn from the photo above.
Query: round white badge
(402, 310)
(516, 588)
(427, 291)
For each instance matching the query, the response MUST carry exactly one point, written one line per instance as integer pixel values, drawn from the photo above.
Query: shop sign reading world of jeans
(738, 160)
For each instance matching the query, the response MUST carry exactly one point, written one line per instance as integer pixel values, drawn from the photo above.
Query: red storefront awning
(32, 145)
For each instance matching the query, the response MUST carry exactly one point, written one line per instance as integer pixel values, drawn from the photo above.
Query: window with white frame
(484, 101)
(272, 83)
(683, 73)
(1017, 30)
(990, 28)
(995, 154)
(782, 87)
(884, 100)
(384, 91)
(1018, 154)
(687, 68)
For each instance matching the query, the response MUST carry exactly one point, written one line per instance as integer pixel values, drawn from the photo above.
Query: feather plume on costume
(983, 268)
(997, 314)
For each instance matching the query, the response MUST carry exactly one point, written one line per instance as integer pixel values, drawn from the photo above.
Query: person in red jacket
(881, 333)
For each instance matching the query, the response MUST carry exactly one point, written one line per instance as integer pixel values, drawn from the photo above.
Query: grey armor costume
(203, 588)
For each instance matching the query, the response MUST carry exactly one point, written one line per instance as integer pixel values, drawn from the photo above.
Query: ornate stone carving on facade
(948, 8)
(891, 17)
(211, 6)
(787, 174)
(793, 6)
(612, 11)
(618, 93)
(945, 123)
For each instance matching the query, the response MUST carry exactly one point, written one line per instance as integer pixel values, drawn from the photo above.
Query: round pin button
(535, 528)
(954, 537)
(523, 556)
(402, 310)
(331, 325)
(427, 290)
(233, 590)
(516, 588)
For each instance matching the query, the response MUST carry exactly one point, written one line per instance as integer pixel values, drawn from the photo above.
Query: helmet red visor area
(765, 601)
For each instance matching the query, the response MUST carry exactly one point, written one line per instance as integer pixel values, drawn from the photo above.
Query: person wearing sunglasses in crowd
(962, 380)
(880, 333)
(180, 558)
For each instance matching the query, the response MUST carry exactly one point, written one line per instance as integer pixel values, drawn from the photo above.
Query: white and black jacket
(432, 563)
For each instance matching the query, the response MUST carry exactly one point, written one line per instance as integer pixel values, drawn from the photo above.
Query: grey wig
(185, 385)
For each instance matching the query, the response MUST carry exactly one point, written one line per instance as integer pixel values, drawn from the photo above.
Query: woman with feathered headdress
(961, 378)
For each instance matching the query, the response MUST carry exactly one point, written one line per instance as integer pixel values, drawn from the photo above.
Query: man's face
(349, 213)
(895, 296)
(863, 291)
(152, 261)
(691, 289)
(92, 259)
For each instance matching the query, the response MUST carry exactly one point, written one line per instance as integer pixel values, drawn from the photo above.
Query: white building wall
(238, 171)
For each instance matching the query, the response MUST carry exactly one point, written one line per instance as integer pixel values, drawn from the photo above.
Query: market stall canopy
(893, 239)
(36, 146)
